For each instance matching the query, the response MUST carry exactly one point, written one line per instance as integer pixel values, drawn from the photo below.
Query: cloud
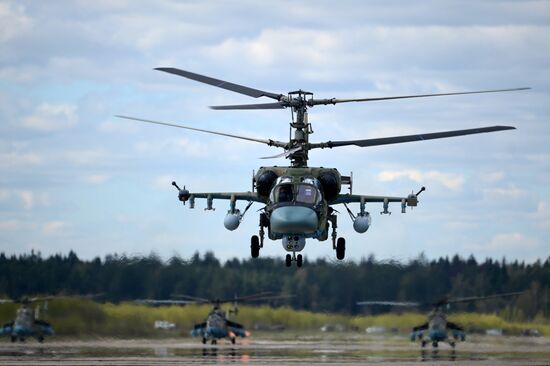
(13, 21)
(511, 241)
(12, 159)
(86, 156)
(28, 199)
(491, 177)
(51, 117)
(95, 178)
(511, 192)
(10, 225)
(450, 181)
(54, 227)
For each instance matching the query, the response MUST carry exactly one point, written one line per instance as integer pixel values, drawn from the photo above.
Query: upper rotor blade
(335, 101)
(164, 302)
(267, 142)
(410, 138)
(389, 303)
(256, 93)
(278, 105)
(478, 298)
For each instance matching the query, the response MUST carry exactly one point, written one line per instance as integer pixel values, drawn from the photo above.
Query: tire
(299, 260)
(40, 339)
(214, 341)
(233, 340)
(288, 260)
(341, 248)
(254, 246)
(203, 340)
(13, 339)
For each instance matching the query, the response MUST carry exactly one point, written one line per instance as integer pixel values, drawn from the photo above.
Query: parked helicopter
(298, 199)
(437, 325)
(217, 324)
(27, 322)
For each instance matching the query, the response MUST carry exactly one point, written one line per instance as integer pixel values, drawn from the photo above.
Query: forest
(320, 286)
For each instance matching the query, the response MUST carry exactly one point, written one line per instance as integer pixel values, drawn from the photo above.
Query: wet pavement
(343, 348)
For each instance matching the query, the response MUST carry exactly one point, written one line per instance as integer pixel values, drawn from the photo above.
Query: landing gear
(254, 246)
(203, 340)
(233, 340)
(13, 339)
(214, 341)
(40, 339)
(340, 244)
(452, 344)
(434, 344)
(341, 248)
(290, 258)
(424, 343)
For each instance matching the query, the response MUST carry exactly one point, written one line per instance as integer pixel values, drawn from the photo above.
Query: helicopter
(217, 324)
(297, 199)
(27, 322)
(437, 324)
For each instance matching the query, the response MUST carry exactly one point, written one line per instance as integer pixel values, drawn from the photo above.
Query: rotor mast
(299, 140)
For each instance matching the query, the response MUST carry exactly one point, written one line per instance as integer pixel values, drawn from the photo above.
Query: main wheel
(299, 260)
(214, 341)
(254, 246)
(203, 340)
(434, 344)
(288, 260)
(40, 339)
(13, 339)
(341, 248)
(233, 340)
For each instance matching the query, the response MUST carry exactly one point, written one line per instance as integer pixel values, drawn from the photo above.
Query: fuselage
(297, 202)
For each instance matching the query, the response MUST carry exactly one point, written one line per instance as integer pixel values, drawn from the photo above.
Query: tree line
(320, 286)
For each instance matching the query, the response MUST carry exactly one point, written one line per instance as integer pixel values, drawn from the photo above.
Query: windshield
(301, 193)
(306, 194)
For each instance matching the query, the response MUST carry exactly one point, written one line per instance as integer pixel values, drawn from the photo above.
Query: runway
(329, 349)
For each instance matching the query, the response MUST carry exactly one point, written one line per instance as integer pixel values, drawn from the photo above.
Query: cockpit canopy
(305, 192)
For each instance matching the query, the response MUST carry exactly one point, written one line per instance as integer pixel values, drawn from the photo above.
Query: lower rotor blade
(267, 142)
(389, 303)
(285, 154)
(478, 298)
(248, 106)
(410, 138)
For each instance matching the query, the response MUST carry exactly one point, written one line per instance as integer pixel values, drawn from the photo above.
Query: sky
(74, 177)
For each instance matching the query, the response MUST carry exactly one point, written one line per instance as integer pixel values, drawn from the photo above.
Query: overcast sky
(74, 177)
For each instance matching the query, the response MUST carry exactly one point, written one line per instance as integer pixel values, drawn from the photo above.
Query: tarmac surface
(327, 349)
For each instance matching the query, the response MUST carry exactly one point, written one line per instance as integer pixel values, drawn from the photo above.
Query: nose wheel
(291, 258)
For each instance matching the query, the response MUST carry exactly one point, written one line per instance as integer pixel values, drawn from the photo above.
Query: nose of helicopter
(293, 220)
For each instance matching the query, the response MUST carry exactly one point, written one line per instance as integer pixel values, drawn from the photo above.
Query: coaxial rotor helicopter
(217, 325)
(437, 326)
(27, 322)
(298, 200)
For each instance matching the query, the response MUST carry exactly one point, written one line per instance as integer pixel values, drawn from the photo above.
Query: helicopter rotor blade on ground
(390, 303)
(165, 302)
(477, 298)
(267, 142)
(313, 102)
(409, 138)
(256, 93)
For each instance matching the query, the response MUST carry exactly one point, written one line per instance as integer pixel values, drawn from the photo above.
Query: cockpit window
(284, 193)
(306, 194)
